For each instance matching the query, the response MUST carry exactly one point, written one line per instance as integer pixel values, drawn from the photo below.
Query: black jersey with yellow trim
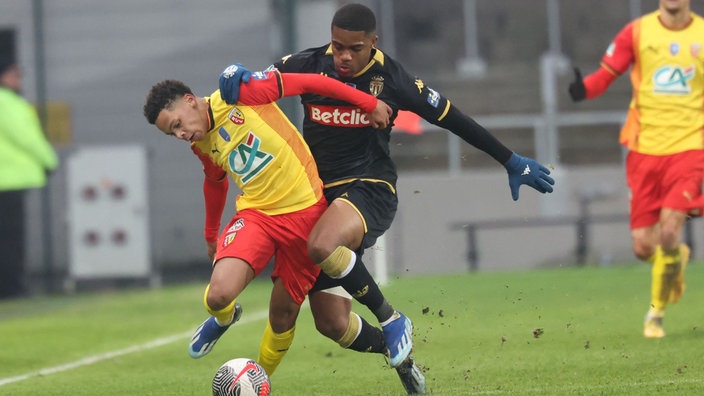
(343, 143)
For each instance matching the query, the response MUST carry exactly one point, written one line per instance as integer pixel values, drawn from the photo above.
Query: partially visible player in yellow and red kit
(664, 135)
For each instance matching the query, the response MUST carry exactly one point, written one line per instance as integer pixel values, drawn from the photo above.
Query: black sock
(360, 284)
(370, 339)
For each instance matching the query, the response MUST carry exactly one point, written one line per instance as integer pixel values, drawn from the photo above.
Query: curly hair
(355, 18)
(162, 96)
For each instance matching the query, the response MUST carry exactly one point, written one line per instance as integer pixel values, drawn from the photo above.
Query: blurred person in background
(25, 158)
(359, 174)
(664, 137)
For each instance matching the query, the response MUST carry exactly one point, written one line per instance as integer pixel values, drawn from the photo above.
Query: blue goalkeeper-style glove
(230, 80)
(522, 170)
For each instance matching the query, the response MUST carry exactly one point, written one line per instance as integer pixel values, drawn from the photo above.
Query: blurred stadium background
(126, 203)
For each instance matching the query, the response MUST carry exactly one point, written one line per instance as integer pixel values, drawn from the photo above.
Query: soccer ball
(241, 377)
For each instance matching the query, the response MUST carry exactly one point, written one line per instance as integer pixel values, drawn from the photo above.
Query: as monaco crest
(376, 85)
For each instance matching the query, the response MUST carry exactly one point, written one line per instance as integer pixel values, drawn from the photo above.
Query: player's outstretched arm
(295, 84)
(591, 86)
(523, 170)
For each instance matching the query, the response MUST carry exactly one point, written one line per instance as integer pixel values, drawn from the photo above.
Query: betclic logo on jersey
(339, 116)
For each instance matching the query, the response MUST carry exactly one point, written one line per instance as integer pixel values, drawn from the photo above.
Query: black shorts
(375, 201)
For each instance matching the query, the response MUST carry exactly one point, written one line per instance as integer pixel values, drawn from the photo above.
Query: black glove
(578, 91)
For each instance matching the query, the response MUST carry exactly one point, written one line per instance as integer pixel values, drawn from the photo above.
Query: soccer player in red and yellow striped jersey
(255, 144)
(664, 135)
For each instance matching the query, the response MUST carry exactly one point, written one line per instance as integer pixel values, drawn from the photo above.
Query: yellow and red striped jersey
(666, 113)
(261, 150)
(264, 154)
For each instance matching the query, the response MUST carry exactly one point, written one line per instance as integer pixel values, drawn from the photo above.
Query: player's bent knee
(643, 252)
(216, 299)
(281, 325)
(282, 321)
(317, 251)
(332, 327)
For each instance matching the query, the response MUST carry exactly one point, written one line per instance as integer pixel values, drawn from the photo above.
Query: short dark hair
(355, 18)
(163, 95)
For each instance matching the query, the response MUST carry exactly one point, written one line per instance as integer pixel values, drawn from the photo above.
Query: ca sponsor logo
(673, 80)
(341, 116)
(247, 161)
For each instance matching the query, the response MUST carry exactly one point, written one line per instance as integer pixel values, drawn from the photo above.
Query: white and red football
(241, 377)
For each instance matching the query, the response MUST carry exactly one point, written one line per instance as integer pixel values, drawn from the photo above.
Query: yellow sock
(678, 285)
(666, 267)
(273, 348)
(339, 263)
(354, 326)
(224, 315)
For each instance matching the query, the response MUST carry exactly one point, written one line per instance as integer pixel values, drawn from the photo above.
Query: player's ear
(189, 98)
(374, 40)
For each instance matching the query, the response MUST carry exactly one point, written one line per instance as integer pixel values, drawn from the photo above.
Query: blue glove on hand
(522, 170)
(230, 80)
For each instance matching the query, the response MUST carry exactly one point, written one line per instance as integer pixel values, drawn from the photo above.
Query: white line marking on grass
(87, 361)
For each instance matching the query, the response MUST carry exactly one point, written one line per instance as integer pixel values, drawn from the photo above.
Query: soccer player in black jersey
(354, 163)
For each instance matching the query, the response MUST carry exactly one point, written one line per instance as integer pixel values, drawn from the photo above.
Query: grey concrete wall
(422, 239)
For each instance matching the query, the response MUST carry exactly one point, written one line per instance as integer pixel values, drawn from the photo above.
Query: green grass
(558, 331)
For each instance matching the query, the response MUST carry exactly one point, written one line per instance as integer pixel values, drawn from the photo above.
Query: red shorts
(256, 237)
(670, 181)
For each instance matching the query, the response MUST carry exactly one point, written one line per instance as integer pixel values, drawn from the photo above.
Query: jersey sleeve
(616, 61)
(215, 186)
(268, 86)
(597, 82)
(294, 63)
(619, 55)
(414, 95)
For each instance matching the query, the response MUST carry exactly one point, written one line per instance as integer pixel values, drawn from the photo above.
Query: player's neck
(675, 19)
(206, 110)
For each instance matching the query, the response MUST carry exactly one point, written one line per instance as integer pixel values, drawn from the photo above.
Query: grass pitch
(560, 331)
